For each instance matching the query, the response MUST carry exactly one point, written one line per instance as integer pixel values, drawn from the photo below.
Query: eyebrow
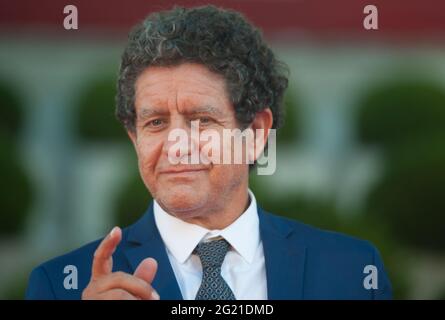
(150, 111)
(207, 109)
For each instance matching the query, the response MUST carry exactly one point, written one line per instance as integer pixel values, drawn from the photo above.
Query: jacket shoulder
(317, 238)
(336, 264)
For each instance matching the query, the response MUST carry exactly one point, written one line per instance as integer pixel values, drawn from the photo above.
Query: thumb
(146, 270)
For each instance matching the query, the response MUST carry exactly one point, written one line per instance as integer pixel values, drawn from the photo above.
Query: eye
(204, 120)
(155, 123)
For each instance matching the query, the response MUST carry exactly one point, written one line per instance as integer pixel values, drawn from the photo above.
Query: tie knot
(212, 253)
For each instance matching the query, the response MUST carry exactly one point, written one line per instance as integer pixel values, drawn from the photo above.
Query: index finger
(103, 261)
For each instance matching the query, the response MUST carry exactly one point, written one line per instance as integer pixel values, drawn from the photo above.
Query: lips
(182, 170)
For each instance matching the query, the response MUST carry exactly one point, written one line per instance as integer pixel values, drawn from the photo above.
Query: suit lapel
(145, 241)
(285, 259)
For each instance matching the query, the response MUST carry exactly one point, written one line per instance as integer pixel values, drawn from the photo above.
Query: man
(204, 236)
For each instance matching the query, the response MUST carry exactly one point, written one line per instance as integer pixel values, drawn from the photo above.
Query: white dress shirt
(243, 268)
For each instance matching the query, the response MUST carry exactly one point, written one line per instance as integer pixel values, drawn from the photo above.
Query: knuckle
(120, 276)
(120, 294)
(144, 287)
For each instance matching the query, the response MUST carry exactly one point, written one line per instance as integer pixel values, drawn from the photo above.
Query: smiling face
(168, 98)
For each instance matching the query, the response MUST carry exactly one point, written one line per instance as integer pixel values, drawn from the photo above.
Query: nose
(182, 141)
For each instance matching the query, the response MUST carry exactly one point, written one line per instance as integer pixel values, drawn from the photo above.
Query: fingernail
(155, 295)
(113, 231)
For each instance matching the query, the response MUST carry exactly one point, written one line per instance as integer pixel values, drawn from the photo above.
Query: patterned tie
(213, 285)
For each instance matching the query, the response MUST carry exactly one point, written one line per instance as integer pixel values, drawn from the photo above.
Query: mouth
(183, 171)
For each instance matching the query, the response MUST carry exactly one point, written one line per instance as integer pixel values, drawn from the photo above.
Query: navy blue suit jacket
(302, 262)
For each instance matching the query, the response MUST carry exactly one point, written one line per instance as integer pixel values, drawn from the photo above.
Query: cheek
(225, 176)
(148, 153)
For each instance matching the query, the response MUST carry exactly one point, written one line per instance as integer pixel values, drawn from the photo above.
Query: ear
(261, 125)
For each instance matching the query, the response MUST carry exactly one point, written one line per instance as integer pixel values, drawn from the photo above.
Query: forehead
(185, 84)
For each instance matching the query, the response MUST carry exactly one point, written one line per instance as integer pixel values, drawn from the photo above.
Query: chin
(183, 201)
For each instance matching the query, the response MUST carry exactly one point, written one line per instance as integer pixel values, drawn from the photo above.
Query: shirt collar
(181, 238)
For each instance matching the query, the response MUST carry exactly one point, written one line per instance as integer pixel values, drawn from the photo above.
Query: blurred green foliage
(96, 121)
(406, 119)
(11, 112)
(16, 288)
(410, 195)
(16, 196)
(290, 132)
(441, 295)
(132, 202)
(400, 110)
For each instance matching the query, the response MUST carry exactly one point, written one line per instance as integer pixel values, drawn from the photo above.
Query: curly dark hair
(222, 40)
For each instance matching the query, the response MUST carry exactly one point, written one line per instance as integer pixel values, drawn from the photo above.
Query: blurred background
(362, 150)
